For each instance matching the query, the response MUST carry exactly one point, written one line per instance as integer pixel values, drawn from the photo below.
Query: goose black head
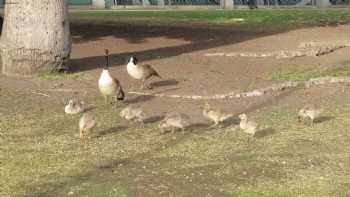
(134, 60)
(121, 94)
(106, 53)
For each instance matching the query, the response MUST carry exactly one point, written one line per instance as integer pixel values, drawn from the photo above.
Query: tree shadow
(200, 37)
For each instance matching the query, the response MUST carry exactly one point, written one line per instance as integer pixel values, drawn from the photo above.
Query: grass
(41, 155)
(257, 20)
(307, 72)
(49, 76)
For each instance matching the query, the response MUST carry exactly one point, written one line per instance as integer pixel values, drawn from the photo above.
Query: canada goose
(133, 113)
(216, 116)
(309, 113)
(86, 123)
(74, 107)
(108, 85)
(248, 126)
(173, 120)
(141, 71)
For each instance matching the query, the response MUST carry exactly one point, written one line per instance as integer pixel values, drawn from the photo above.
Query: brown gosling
(216, 116)
(309, 113)
(173, 120)
(109, 85)
(141, 72)
(74, 107)
(133, 113)
(86, 123)
(248, 126)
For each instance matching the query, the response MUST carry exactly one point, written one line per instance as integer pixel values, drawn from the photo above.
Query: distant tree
(35, 37)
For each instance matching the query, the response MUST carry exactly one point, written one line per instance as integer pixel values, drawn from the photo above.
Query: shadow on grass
(153, 119)
(168, 82)
(90, 108)
(324, 119)
(110, 131)
(264, 132)
(137, 99)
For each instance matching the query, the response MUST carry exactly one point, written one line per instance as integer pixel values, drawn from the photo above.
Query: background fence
(236, 3)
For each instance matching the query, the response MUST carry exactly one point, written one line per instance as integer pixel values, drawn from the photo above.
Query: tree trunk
(35, 37)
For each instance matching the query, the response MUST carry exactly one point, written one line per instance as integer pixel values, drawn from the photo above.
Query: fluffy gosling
(86, 124)
(173, 120)
(248, 126)
(141, 72)
(309, 113)
(133, 113)
(108, 85)
(74, 107)
(216, 116)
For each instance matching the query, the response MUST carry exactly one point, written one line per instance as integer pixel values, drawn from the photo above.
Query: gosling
(216, 116)
(133, 113)
(74, 107)
(248, 126)
(173, 120)
(86, 124)
(309, 113)
(108, 85)
(141, 72)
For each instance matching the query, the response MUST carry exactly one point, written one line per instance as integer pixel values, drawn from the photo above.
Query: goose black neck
(107, 61)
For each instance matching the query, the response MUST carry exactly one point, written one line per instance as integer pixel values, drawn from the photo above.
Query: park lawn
(41, 154)
(254, 20)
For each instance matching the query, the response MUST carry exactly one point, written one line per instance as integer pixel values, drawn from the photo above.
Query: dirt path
(167, 48)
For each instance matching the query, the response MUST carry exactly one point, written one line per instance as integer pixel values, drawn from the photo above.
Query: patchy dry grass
(60, 76)
(41, 155)
(307, 72)
(248, 20)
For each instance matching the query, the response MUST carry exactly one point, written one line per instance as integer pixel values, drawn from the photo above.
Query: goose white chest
(134, 71)
(106, 84)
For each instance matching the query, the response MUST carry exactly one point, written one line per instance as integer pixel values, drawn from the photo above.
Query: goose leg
(106, 99)
(148, 85)
(142, 124)
(81, 133)
(214, 125)
(143, 84)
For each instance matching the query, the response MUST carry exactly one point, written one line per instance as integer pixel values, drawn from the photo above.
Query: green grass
(262, 20)
(307, 72)
(41, 155)
(59, 76)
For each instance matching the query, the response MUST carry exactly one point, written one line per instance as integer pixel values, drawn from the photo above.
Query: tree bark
(35, 37)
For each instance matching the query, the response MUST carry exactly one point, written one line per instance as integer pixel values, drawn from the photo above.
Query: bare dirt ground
(177, 53)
